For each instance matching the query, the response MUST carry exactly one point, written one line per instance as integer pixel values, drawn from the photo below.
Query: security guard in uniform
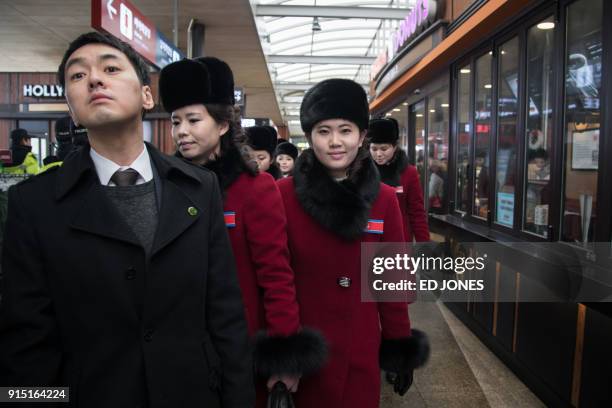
(24, 161)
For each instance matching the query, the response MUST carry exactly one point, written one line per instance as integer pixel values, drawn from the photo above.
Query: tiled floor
(462, 372)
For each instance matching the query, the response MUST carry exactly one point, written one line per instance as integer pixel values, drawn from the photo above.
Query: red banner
(122, 20)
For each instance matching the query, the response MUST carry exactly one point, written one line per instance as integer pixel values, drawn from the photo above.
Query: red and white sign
(122, 20)
(6, 156)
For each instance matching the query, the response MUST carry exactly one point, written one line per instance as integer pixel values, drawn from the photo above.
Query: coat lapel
(97, 215)
(178, 212)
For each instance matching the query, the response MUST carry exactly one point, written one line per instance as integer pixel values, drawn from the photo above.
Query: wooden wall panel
(546, 334)
(6, 125)
(596, 361)
(5, 88)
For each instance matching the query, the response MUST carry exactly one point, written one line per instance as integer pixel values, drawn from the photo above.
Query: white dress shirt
(106, 167)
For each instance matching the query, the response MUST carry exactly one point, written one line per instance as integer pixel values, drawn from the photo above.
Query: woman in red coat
(395, 171)
(206, 129)
(335, 202)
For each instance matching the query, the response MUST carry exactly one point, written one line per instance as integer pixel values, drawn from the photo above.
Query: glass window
(417, 120)
(538, 126)
(462, 199)
(583, 61)
(482, 131)
(507, 137)
(437, 150)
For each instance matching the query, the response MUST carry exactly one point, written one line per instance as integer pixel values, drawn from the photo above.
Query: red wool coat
(410, 197)
(352, 328)
(256, 223)
(257, 226)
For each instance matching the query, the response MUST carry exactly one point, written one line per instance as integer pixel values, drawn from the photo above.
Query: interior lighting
(488, 86)
(419, 115)
(396, 110)
(546, 25)
(444, 105)
(465, 71)
(432, 110)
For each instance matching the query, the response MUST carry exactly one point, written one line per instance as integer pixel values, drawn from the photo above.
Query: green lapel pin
(192, 211)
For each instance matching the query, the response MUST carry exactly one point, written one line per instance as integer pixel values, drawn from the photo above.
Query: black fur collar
(391, 172)
(341, 207)
(229, 167)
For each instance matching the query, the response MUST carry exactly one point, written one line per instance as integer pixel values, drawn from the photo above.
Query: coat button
(148, 336)
(344, 282)
(130, 273)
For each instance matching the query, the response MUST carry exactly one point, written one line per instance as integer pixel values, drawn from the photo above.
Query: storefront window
(538, 126)
(437, 150)
(583, 61)
(507, 136)
(462, 198)
(482, 131)
(417, 120)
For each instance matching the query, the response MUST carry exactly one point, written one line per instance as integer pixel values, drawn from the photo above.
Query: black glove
(280, 397)
(402, 382)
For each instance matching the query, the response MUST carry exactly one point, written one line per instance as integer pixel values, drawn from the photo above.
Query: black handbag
(280, 397)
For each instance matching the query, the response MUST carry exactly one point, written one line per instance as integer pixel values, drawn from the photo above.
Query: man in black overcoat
(119, 280)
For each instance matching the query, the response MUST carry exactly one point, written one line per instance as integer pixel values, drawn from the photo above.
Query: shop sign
(124, 21)
(424, 13)
(43, 91)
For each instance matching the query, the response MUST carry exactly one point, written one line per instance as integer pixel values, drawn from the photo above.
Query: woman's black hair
(235, 137)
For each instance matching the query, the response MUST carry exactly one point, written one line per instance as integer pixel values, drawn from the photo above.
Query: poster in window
(585, 149)
(505, 209)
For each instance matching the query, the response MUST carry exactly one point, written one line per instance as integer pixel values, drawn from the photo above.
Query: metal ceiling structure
(307, 41)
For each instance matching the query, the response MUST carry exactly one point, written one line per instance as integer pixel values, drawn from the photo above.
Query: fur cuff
(301, 353)
(404, 354)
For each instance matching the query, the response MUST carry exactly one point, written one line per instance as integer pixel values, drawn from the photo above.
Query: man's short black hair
(95, 37)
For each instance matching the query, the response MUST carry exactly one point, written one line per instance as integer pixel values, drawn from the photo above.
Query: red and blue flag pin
(375, 227)
(230, 219)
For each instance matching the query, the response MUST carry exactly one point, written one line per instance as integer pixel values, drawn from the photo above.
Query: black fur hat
(221, 81)
(202, 80)
(262, 138)
(287, 148)
(334, 99)
(62, 128)
(383, 131)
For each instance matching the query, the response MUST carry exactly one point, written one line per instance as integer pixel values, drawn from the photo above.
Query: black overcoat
(83, 306)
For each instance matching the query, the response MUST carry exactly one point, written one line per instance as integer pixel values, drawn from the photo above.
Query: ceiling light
(444, 105)
(405, 103)
(315, 24)
(546, 25)
(432, 110)
(465, 71)
(389, 114)
(396, 110)
(488, 86)
(419, 115)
